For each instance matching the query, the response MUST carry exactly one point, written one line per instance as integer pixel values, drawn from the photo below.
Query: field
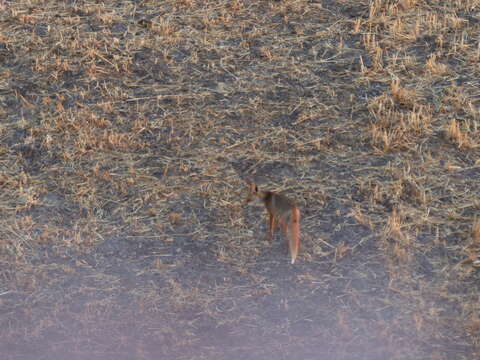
(128, 129)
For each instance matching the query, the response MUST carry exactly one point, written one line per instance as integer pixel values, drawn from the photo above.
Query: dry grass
(126, 130)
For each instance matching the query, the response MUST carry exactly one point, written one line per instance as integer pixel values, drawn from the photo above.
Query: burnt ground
(127, 130)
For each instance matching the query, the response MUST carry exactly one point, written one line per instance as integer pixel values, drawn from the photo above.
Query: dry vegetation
(125, 131)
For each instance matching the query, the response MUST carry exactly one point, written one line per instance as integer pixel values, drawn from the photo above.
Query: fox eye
(256, 188)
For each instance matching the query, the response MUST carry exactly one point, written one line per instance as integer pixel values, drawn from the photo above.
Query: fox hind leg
(271, 227)
(283, 223)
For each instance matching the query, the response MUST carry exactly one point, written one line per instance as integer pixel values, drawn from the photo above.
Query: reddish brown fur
(282, 212)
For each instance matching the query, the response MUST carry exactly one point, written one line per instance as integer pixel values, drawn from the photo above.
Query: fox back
(278, 205)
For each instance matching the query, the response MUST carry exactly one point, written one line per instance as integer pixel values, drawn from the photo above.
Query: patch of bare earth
(127, 128)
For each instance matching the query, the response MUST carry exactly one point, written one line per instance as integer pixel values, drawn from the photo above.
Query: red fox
(283, 212)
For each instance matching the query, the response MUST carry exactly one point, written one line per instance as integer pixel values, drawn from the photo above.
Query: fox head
(253, 193)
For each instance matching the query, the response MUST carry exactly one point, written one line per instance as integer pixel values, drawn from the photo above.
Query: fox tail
(294, 241)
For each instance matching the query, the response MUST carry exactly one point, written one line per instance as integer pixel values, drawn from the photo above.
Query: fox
(283, 212)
